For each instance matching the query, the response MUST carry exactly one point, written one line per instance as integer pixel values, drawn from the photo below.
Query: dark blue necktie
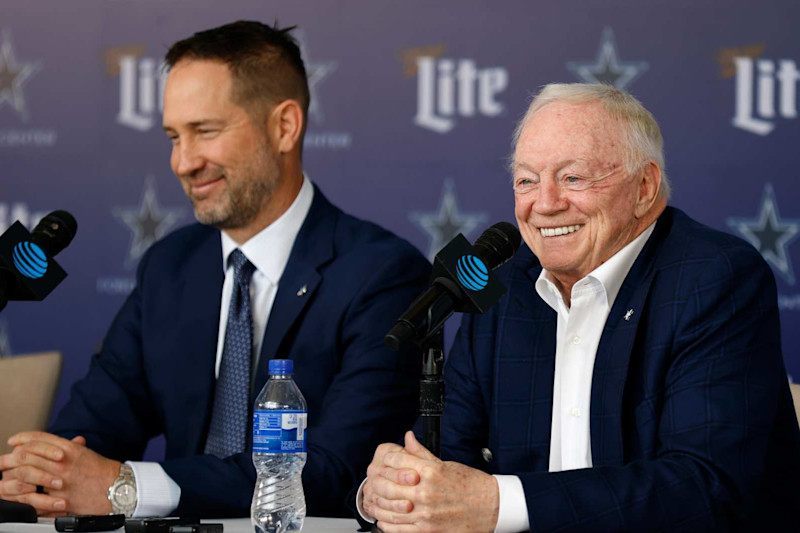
(231, 410)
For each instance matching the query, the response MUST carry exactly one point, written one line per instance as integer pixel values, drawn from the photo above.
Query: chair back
(28, 386)
(796, 397)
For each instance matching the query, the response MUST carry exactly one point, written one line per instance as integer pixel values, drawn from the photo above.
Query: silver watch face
(125, 496)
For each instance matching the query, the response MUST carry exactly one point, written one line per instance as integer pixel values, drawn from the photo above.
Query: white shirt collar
(269, 249)
(609, 275)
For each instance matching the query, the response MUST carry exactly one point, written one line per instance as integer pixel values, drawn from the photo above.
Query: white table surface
(239, 525)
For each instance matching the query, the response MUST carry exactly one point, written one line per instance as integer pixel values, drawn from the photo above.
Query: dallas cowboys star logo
(607, 67)
(148, 222)
(5, 344)
(14, 76)
(447, 222)
(316, 71)
(770, 234)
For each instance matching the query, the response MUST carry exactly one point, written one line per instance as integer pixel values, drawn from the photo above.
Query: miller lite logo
(141, 91)
(451, 88)
(766, 90)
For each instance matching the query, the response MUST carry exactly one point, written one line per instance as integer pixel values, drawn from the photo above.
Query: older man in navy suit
(289, 275)
(632, 377)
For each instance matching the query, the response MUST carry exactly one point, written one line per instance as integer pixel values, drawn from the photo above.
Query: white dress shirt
(578, 331)
(157, 493)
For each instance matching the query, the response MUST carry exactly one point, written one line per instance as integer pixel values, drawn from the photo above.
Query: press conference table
(239, 525)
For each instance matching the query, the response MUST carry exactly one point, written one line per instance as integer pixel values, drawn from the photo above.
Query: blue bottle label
(279, 431)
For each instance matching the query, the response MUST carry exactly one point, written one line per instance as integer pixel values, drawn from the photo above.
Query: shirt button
(575, 412)
(576, 340)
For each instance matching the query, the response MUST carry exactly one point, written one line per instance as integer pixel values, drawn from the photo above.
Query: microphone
(27, 268)
(461, 281)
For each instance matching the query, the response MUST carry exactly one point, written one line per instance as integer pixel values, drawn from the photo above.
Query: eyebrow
(559, 165)
(195, 124)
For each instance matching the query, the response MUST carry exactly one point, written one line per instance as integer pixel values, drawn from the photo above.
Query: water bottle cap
(281, 366)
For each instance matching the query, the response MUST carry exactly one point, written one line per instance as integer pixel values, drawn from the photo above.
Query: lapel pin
(304, 289)
(487, 455)
(628, 315)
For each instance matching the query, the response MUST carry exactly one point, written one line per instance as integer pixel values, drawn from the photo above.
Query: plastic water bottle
(279, 452)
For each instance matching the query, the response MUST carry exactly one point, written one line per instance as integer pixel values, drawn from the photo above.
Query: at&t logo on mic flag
(472, 273)
(30, 260)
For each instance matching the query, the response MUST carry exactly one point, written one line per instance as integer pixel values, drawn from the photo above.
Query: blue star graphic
(607, 67)
(13, 76)
(770, 234)
(316, 71)
(148, 222)
(447, 222)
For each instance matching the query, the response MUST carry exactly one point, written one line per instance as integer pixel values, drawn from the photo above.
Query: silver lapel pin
(628, 315)
(304, 289)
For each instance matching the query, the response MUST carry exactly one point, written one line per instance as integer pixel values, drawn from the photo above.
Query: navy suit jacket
(692, 424)
(155, 372)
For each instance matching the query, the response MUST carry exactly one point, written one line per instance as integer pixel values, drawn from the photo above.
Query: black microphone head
(498, 244)
(54, 232)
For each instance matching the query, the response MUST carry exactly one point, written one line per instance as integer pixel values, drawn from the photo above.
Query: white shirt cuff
(512, 517)
(156, 493)
(360, 500)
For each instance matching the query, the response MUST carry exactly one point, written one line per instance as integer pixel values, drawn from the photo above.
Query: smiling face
(575, 203)
(220, 153)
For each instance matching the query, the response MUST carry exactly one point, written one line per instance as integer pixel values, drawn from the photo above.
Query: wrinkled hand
(75, 478)
(447, 497)
(378, 469)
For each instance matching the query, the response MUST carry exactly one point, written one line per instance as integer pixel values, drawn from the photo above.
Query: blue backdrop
(413, 105)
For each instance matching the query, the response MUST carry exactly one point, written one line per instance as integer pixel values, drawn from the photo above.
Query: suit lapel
(523, 369)
(544, 366)
(200, 297)
(313, 247)
(614, 352)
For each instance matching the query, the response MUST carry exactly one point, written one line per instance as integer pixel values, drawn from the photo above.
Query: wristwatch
(122, 494)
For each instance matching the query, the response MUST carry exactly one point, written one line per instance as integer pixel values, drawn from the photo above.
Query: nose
(550, 198)
(186, 159)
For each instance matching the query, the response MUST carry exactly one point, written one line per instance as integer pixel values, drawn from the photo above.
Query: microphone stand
(431, 386)
(431, 390)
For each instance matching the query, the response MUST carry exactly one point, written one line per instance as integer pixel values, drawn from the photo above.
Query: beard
(245, 194)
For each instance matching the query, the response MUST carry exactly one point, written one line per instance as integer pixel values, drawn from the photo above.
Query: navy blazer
(155, 372)
(692, 424)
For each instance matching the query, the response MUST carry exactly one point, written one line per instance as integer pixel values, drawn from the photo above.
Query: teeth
(563, 230)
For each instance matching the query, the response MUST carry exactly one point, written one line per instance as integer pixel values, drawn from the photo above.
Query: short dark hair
(265, 61)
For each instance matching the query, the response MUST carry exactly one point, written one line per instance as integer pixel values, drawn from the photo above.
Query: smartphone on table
(108, 522)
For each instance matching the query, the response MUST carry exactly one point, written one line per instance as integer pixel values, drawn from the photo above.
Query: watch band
(126, 472)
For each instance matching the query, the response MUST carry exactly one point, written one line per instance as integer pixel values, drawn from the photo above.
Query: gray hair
(641, 133)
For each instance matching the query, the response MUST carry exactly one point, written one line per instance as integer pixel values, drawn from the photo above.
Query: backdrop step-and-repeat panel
(413, 105)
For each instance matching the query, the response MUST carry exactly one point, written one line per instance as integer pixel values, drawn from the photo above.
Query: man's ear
(286, 125)
(649, 188)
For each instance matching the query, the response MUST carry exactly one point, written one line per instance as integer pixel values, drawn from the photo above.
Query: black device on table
(197, 528)
(108, 522)
(16, 512)
(157, 524)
